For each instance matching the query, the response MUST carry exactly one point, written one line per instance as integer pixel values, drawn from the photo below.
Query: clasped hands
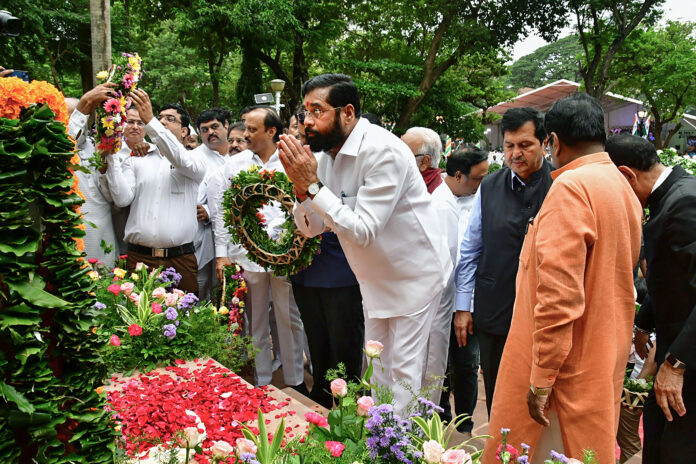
(299, 162)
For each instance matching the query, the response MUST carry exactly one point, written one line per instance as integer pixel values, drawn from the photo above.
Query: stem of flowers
(340, 407)
(187, 453)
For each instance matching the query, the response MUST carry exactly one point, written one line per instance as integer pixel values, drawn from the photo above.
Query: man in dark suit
(670, 250)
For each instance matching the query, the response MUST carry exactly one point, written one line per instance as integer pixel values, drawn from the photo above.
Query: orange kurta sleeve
(566, 232)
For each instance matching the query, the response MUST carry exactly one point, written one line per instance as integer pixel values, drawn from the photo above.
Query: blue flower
(171, 313)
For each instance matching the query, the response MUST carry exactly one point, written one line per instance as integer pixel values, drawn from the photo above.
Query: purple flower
(99, 306)
(525, 447)
(171, 313)
(524, 459)
(429, 407)
(169, 331)
(504, 431)
(170, 275)
(556, 456)
(389, 436)
(186, 301)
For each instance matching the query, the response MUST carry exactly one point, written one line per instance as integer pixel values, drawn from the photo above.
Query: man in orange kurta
(573, 318)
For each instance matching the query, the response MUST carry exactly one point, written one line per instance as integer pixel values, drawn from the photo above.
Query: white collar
(351, 146)
(513, 174)
(660, 180)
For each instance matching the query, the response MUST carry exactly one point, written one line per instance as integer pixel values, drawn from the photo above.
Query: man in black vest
(670, 250)
(490, 249)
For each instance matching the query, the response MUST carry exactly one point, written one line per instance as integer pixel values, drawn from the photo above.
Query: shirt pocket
(177, 182)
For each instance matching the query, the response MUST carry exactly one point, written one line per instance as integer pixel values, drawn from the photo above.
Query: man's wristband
(674, 362)
(539, 391)
(300, 196)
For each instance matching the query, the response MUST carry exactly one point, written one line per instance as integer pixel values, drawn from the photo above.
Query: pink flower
(92, 260)
(159, 292)
(455, 457)
(140, 265)
(364, 405)
(127, 287)
(115, 341)
(114, 288)
(178, 292)
(134, 330)
(335, 448)
(373, 348)
(316, 419)
(192, 437)
(156, 308)
(510, 449)
(339, 388)
(245, 446)
(221, 449)
(170, 299)
(112, 105)
(128, 81)
(135, 298)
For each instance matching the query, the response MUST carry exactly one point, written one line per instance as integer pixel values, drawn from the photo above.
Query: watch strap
(674, 362)
(540, 391)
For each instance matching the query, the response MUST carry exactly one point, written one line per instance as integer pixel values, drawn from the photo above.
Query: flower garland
(251, 190)
(16, 94)
(111, 115)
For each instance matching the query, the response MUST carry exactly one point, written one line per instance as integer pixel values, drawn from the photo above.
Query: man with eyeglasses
(162, 190)
(262, 128)
(212, 124)
(366, 188)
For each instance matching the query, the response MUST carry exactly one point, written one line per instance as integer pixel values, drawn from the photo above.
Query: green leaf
(11, 394)
(35, 295)
(19, 315)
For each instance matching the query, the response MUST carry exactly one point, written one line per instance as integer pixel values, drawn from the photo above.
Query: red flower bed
(153, 408)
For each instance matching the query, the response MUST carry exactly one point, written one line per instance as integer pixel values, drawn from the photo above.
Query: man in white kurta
(262, 129)
(368, 191)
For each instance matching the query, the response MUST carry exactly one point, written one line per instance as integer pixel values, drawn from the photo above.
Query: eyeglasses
(168, 118)
(314, 113)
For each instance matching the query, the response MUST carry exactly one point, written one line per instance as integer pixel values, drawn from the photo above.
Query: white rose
(432, 451)
(221, 449)
(192, 436)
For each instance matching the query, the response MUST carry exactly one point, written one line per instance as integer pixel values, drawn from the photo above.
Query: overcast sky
(683, 10)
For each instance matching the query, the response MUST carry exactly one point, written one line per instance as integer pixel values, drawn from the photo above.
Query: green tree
(557, 60)
(603, 26)
(658, 65)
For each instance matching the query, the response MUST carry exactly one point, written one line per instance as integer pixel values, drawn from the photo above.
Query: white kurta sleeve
(215, 189)
(307, 220)
(121, 180)
(184, 160)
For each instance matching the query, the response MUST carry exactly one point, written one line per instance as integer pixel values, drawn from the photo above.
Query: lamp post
(277, 85)
(642, 114)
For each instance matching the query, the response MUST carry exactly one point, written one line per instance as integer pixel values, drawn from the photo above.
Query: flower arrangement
(251, 190)
(143, 320)
(125, 72)
(232, 292)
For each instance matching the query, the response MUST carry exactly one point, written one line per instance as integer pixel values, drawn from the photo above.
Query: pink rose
(140, 265)
(159, 292)
(316, 419)
(114, 288)
(135, 298)
(170, 299)
(156, 308)
(134, 330)
(335, 448)
(364, 405)
(245, 446)
(455, 457)
(339, 388)
(115, 341)
(221, 449)
(192, 437)
(432, 451)
(373, 348)
(127, 287)
(178, 292)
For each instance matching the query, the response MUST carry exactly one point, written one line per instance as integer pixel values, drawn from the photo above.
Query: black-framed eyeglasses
(315, 113)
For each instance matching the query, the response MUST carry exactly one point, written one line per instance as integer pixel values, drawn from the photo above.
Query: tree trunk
(212, 71)
(85, 46)
(100, 15)
(657, 133)
(671, 134)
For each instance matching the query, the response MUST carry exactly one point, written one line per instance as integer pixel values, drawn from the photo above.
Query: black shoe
(302, 389)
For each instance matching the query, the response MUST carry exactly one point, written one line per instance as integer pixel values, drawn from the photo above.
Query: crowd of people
(526, 274)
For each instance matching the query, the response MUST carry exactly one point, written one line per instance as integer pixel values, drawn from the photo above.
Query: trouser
(438, 345)
(671, 442)
(334, 322)
(186, 265)
(206, 281)
(290, 331)
(491, 351)
(405, 348)
(463, 378)
(627, 436)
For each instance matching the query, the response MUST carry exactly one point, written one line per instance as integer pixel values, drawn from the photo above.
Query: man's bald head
(72, 104)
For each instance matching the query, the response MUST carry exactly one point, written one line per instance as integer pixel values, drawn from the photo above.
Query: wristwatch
(540, 391)
(313, 189)
(674, 362)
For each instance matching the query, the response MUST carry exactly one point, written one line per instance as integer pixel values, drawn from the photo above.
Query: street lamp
(642, 130)
(277, 85)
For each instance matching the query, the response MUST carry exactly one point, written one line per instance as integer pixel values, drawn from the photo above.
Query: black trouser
(491, 347)
(335, 326)
(462, 381)
(671, 442)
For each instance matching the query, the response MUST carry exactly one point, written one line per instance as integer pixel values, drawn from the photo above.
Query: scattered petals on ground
(152, 407)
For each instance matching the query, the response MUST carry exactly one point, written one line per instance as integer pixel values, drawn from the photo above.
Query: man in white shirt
(263, 126)
(162, 191)
(97, 207)
(213, 125)
(368, 191)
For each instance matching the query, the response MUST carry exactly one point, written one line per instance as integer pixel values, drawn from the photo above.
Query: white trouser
(290, 330)
(405, 340)
(438, 345)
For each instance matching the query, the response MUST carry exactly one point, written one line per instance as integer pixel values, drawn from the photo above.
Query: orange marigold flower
(14, 95)
(43, 92)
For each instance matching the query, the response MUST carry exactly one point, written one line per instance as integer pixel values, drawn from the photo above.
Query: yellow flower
(123, 101)
(215, 310)
(241, 304)
(120, 273)
(134, 276)
(94, 330)
(94, 275)
(135, 63)
(109, 132)
(107, 122)
(102, 75)
(243, 284)
(99, 390)
(224, 310)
